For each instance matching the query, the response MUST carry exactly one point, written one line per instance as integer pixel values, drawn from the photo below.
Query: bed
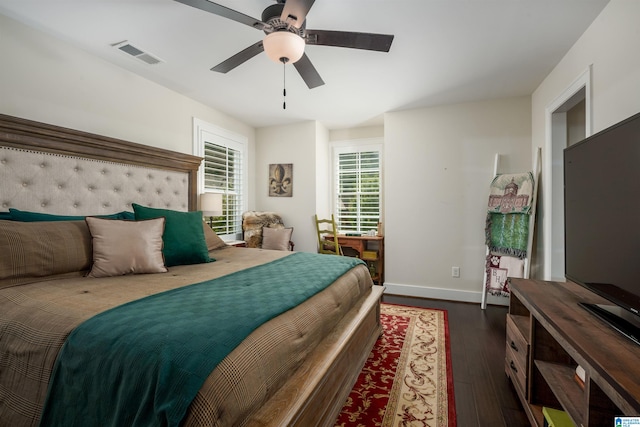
(295, 369)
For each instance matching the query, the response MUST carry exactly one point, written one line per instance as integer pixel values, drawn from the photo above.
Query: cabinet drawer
(516, 355)
(515, 371)
(517, 343)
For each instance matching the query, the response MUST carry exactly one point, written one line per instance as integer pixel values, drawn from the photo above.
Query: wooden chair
(324, 228)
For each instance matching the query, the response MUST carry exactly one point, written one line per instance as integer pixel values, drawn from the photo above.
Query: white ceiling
(444, 51)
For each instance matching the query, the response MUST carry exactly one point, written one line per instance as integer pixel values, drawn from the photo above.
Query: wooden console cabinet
(548, 335)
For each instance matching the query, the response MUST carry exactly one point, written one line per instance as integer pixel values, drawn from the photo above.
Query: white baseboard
(441, 293)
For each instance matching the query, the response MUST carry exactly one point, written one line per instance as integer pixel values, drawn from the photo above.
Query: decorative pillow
(26, 216)
(5, 216)
(211, 238)
(126, 247)
(276, 238)
(38, 249)
(183, 236)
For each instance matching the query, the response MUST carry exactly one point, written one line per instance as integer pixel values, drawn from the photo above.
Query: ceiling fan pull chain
(284, 83)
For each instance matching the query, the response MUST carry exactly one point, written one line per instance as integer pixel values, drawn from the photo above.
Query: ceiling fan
(284, 24)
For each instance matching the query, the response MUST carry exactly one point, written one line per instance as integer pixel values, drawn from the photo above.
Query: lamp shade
(211, 203)
(283, 44)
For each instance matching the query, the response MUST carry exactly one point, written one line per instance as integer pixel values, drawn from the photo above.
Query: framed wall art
(281, 180)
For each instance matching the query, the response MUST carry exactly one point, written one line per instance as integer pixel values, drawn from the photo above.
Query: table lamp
(211, 205)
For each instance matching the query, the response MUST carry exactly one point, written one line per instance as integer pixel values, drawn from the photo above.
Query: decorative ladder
(532, 220)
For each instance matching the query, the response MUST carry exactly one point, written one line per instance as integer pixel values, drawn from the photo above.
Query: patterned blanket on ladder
(507, 229)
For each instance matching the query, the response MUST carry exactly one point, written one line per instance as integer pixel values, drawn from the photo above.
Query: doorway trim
(561, 103)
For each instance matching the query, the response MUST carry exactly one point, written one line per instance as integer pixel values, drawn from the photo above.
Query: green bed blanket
(142, 363)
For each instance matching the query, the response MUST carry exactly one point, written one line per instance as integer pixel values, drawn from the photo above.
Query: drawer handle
(513, 346)
(513, 367)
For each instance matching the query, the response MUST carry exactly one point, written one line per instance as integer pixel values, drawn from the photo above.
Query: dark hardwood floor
(484, 395)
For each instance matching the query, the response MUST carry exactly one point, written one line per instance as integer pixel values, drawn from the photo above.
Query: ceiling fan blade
(308, 72)
(225, 12)
(295, 12)
(367, 41)
(239, 58)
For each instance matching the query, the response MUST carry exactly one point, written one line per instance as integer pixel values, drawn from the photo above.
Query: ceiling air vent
(131, 50)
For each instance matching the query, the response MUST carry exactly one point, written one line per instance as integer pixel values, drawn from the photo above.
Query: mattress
(36, 317)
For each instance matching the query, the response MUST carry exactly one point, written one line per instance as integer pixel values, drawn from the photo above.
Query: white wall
(296, 144)
(44, 79)
(438, 166)
(363, 132)
(323, 173)
(610, 46)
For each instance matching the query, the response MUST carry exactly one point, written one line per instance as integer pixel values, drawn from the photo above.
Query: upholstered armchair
(266, 230)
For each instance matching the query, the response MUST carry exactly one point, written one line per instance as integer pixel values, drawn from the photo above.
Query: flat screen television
(602, 222)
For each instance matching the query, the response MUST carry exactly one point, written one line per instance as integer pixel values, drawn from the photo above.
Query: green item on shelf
(556, 418)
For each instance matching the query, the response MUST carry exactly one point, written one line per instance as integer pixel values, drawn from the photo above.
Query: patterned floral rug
(407, 380)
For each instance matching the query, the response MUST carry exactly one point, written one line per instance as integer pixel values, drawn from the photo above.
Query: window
(357, 183)
(223, 170)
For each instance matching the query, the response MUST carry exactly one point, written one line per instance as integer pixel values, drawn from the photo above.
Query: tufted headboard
(50, 169)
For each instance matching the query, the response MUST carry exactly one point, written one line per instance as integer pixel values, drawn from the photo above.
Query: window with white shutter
(357, 183)
(223, 171)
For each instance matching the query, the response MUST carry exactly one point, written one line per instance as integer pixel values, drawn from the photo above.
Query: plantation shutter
(357, 175)
(223, 174)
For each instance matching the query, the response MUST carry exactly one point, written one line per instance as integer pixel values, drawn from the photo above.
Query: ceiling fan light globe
(283, 44)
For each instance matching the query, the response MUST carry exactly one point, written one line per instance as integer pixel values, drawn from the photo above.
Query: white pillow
(126, 247)
(276, 238)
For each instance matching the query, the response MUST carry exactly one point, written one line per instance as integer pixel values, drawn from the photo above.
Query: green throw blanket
(507, 234)
(142, 363)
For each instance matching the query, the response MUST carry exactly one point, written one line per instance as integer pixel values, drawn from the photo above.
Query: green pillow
(26, 216)
(5, 215)
(183, 237)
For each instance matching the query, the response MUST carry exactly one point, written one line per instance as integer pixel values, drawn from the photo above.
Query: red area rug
(407, 379)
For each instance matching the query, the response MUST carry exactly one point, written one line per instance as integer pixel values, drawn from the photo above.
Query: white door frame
(582, 82)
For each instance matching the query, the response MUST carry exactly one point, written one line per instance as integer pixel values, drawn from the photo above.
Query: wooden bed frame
(316, 392)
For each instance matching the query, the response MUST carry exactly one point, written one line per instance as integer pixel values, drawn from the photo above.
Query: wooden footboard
(316, 393)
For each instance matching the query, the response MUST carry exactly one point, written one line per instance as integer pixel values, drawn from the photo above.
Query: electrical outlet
(455, 271)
